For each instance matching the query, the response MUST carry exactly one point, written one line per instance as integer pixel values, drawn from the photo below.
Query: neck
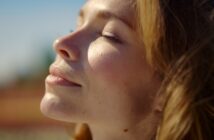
(145, 130)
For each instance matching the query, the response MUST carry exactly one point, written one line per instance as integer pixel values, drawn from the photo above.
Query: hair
(179, 41)
(178, 37)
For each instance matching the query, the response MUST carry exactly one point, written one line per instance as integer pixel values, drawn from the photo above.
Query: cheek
(119, 66)
(119, 84)
(105, 62)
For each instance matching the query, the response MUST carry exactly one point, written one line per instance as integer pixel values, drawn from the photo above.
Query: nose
(67, 48)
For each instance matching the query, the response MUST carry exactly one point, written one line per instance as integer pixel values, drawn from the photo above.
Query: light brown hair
(179, 41)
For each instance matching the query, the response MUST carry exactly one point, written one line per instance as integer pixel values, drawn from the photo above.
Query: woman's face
(100, 75)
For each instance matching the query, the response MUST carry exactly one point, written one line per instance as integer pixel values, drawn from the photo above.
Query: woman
(136, 70)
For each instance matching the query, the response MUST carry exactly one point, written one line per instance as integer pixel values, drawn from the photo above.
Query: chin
(54, 107)
(50, 106)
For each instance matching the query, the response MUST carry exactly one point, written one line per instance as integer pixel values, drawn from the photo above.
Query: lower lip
(55, 80)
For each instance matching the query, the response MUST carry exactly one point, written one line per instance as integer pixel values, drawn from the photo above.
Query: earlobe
(159, 102)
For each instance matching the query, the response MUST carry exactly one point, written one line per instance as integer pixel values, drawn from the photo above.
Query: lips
(58, 77)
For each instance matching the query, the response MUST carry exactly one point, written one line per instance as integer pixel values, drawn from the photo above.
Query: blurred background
(27, 31)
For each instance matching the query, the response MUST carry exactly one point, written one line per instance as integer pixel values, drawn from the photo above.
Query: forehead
(123, 9)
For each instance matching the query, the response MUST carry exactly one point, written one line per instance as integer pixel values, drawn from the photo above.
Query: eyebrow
(104, 14)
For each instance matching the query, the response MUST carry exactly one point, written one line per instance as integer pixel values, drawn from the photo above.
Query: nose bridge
(68, 47)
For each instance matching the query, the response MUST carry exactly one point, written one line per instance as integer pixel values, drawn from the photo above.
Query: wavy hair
(179, 41)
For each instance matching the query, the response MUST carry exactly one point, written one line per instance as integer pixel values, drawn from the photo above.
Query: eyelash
(111, 37)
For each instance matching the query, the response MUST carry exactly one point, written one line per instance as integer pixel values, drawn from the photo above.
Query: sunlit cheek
(106, 63)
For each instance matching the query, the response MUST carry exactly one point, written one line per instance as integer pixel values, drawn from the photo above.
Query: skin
(118, 93)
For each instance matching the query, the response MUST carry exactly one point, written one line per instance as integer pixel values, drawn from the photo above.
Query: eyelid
(111, 36)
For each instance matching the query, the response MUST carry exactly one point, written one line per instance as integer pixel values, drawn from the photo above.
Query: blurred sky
(28, 27)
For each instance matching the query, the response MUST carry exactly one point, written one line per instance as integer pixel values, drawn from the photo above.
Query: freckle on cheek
(104, 68)
(105, 65)
(125, 130)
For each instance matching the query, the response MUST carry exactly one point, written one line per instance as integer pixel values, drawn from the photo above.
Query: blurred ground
(30, 133)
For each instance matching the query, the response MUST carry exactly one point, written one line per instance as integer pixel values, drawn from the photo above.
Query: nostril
(64, 53)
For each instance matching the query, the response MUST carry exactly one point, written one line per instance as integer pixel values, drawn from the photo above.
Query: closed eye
(111, 37)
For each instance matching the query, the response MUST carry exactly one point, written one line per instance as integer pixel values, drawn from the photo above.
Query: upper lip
(56, 71)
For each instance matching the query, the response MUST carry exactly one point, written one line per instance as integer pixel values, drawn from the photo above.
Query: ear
(159, 99)
(158, 105)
